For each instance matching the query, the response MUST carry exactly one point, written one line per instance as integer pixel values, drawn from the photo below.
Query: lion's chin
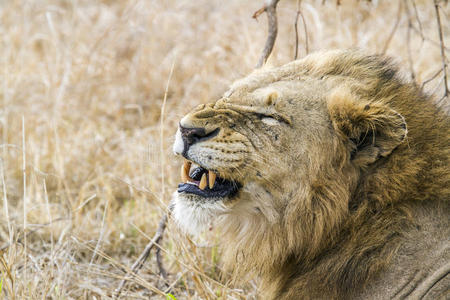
(193, 214)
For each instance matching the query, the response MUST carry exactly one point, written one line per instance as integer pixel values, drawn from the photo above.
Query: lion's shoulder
(420, 268)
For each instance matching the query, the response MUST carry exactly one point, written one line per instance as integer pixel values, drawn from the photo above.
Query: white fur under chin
(195, 217)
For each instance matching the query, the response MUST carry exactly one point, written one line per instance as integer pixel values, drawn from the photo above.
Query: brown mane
(353, 219)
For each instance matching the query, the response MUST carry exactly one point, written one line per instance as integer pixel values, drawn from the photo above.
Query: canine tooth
(185, 171)
(212, 178)
(202, 184)
(184, 178)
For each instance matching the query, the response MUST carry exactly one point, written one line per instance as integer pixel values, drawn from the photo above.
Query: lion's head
(281, 161)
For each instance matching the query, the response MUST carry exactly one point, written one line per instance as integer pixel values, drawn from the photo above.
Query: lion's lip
(205, 183)
(220, 190)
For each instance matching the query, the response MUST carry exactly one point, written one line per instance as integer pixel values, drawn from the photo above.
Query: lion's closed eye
(269, 120)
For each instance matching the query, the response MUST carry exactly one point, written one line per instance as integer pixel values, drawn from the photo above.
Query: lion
(328, 178)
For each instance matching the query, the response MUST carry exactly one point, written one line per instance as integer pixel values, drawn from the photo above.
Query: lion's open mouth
(205, 183)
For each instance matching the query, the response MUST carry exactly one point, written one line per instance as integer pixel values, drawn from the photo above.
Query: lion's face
(250, 152)
(285, 148)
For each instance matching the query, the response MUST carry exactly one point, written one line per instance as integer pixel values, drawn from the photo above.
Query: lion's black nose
(191, 136)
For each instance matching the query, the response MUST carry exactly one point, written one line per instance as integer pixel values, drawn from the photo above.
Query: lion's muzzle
(201, 141)
(190, 136)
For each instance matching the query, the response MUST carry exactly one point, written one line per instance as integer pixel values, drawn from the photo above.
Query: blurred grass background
(86, 167)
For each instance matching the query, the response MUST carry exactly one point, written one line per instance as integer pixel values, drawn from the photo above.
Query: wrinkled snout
(186, 137)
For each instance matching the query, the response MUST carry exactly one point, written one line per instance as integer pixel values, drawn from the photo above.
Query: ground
(91, 93)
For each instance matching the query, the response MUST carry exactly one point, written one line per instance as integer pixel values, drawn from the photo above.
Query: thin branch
(394, 29)
(296, 30)
(430, 79)
(300, 13)
(436, 88)
(441, 42)
(408, 42)
(259, 12)
(306, 32)
(139, 263)
(428, 39)
(418, 19)
(270, 9)
(162, 271)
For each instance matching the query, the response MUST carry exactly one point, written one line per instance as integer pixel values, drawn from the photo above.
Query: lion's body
(345, 181)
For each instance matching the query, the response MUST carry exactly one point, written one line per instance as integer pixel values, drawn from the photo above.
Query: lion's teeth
(183, 175)
(185, 171)
(212, 179)
(202, 184)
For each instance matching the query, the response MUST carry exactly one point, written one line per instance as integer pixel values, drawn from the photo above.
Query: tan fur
(345, 170)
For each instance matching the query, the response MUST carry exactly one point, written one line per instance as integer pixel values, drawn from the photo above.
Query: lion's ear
(373, 130)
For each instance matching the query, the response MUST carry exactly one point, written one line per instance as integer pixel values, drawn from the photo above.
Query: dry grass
(83, 179)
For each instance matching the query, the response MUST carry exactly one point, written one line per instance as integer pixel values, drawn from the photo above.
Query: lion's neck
(355, 258)
(344, 259)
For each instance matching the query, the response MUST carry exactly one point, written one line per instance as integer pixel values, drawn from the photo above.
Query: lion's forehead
(299, 102)
(284, 94)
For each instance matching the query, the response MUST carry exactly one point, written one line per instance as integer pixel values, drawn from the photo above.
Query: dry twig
(425, 38)
(338, 2)
(430, 79)
(300, 13)
(418, 19)
(269, 7)
(408, 41)
(162, 271)
(145, 254)
(443, 57)
(394, 29)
